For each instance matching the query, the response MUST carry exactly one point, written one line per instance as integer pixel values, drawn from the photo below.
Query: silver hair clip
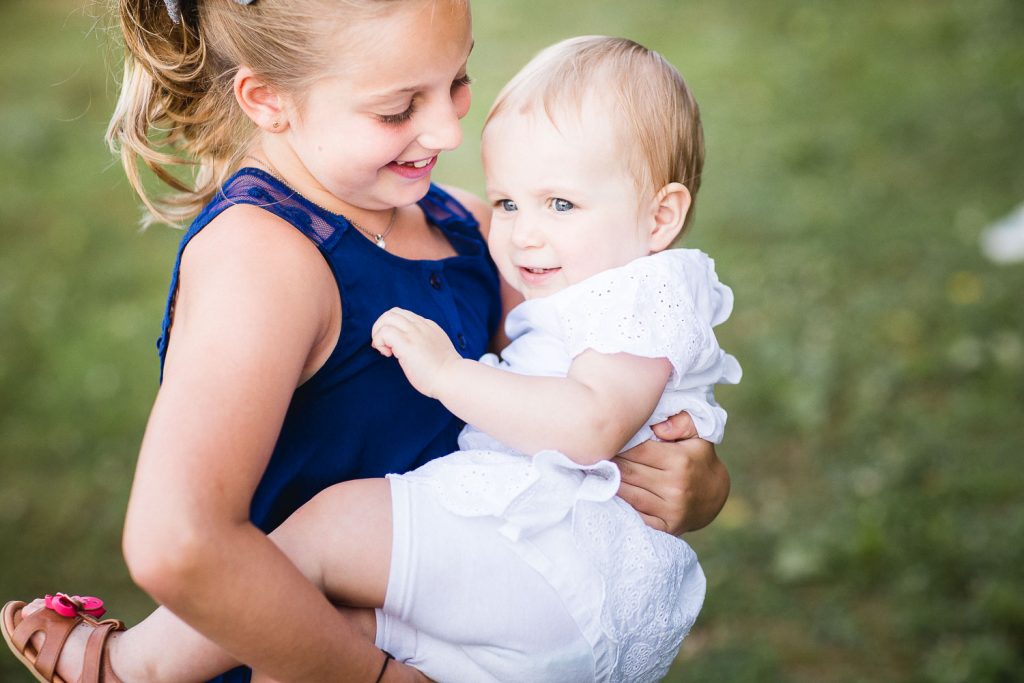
(174, 8)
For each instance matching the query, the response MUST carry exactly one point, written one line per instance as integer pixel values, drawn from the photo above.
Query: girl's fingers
(642, 500)
(656, 523)
(655, 511)
(636, 473)
(645, 503)
(679, 426)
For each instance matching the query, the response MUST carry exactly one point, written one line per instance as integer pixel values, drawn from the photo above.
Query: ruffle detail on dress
(660, 306)
(560, 485)
(528, 494)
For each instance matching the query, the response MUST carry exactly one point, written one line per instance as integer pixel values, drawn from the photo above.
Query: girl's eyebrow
(412, 89)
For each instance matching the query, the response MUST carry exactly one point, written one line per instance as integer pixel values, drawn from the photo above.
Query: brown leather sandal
(18, 631)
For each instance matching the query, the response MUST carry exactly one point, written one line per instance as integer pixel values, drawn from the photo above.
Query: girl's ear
(671, 205)
(259, 101)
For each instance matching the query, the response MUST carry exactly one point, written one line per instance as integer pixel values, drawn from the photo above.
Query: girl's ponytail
(176, 108)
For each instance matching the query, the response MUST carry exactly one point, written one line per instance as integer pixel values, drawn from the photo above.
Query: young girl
(271, 391)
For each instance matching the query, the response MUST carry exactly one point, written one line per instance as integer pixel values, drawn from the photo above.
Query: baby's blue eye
(562, 205)
(507, 205)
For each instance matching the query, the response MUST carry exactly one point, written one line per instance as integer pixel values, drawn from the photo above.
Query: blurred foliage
(856, 150)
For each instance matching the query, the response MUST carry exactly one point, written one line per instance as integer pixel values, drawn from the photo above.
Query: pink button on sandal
(62, 614)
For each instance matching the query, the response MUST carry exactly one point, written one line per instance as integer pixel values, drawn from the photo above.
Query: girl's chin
(412, 193)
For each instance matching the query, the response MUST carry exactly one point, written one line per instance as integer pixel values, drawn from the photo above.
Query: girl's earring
(277, 124)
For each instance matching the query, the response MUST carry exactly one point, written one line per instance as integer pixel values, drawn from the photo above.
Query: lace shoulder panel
(258, 188)
(663, 305)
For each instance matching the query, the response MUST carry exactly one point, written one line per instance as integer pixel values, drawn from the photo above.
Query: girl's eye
(461, 82)
(507, 205)
(398, 119)
(562, 205)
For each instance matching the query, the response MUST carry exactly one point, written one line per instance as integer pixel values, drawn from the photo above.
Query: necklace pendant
(379, 241)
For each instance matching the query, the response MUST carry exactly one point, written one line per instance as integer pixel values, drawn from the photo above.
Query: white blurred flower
(1003, 241)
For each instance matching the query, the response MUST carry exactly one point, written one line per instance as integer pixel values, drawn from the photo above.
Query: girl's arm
(253, 319)
(588, 415)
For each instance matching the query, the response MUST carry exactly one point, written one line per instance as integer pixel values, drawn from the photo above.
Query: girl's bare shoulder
(253, 273)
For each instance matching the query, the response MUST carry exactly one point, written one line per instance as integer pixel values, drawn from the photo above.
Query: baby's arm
(588, 415)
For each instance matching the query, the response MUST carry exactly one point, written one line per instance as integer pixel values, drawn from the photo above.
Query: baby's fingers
(385, 337)
(400, 319)
(384, 348)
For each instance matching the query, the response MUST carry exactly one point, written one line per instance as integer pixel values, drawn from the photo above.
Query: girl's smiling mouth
(413, 169)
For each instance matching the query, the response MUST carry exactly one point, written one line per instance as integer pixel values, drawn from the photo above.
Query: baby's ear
(671, 205)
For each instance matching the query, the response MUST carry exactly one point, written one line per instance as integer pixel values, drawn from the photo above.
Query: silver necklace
(377, 237)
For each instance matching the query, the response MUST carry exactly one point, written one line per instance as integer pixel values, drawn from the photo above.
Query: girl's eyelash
(402, 117)
(397, 119)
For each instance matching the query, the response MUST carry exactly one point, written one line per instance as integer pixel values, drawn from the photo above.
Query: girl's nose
(443, 130)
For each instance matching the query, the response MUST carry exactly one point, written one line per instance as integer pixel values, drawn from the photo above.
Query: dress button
(435, 281)
(461, 339)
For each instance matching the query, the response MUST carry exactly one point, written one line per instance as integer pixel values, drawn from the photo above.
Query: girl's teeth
(415, 164)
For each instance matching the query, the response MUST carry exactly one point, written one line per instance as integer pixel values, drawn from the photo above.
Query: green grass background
(875, 530)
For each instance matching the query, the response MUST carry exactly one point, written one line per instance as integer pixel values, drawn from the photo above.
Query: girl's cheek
(463, 99)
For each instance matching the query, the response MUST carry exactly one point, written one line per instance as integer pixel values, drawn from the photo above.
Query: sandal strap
(96, 653)
(55, 629)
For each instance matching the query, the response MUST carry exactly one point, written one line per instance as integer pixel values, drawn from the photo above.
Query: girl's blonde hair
(655, 114)
(177, 106)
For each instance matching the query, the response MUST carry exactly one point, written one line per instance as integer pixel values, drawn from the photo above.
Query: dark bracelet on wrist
(387, 658)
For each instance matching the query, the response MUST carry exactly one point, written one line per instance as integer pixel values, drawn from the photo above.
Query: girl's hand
(676, 485)
(420, 345)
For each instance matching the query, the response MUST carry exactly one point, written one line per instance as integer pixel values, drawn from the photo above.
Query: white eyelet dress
(510, 567)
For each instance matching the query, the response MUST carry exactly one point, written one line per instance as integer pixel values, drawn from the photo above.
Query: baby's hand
(420, 345)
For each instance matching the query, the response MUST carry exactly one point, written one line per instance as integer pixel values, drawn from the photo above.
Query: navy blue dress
(358, 416)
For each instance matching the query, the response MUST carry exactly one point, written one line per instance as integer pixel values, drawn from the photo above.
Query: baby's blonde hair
(654, 112)
(177, 106)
